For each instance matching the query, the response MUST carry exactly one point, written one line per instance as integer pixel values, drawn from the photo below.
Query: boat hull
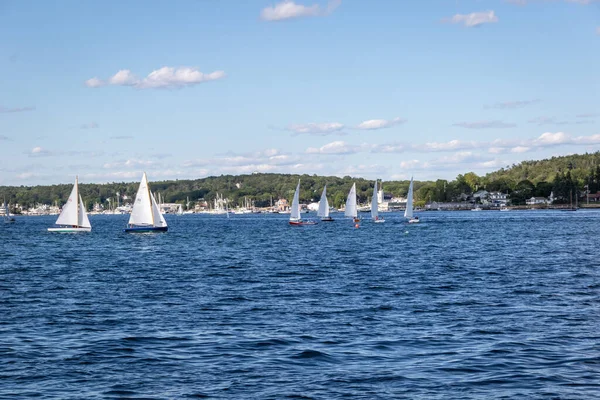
(379, 221)
(413, 221)
(69, 230)
(141, 229)
(301, 223)
(327, 219)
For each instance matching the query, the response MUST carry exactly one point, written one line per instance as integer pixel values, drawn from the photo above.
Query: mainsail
(323, 204)
(408, 213)
(351, 203)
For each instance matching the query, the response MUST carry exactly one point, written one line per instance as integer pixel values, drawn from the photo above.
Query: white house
(498, 198)
(536, 201)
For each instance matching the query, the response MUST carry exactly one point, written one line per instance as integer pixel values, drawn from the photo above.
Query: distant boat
(375, 206)
(476, 209)
(180, 210)
(73, 217)
(408, 213)
(145, 216)
(295, 218)
(323, 211)
(7, 218)
(504, 208)
(351, 210)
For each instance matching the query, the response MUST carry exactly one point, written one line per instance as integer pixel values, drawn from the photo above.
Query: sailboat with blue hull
(146, 216)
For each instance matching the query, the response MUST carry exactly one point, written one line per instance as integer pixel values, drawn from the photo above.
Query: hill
(562, 176)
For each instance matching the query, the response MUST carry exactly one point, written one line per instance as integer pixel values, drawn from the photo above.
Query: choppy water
(465, 305)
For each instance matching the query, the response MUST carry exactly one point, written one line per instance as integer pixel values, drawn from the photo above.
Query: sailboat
(180, 211)
(73, 217)
(146, 216)
(375, 207)
(7, 218)
(323, 211)
(408, 213)
(295, 218)
(351, 210)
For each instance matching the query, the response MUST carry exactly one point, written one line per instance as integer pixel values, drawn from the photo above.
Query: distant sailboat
(351, 210)
(7, 218)
(73, 217)
(180, 210)
(295, 218)
(324, 207)
(375, 207)
(408, 213)
(146, 216)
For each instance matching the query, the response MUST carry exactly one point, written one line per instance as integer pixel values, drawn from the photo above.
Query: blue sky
(378, 89)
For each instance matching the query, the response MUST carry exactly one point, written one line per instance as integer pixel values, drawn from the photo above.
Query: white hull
(379, 221)
(69, 230)
(413, 221)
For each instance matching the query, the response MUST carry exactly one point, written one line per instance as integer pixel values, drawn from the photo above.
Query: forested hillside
(561, 175)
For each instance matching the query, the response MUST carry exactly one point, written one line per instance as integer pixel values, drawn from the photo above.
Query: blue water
(465, 305)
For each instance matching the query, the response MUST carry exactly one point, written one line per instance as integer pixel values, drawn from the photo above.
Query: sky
(377, 89)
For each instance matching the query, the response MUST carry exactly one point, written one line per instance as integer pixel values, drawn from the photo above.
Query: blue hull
(140, 229)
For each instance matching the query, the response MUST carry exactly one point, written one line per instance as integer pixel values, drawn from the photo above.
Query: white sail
(6, 214)
(159, 220)
(180, 210)
(408, 213)
(295, 211)
(70, 211)
(323, 204)
(374, 205)
(351, 203)
(142, 206)
(82, 218)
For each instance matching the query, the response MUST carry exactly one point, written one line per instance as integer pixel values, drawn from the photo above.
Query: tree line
(564, 177)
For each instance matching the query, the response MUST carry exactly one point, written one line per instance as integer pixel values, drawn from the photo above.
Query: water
(465, 305)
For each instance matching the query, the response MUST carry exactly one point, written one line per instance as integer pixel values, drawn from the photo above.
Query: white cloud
(379, 123)
(546, 121)
(6, 110)
(446, 146)
(39, 151)
(485, 125)
(165, 78)
(322, 129)
(94, 82)
(474, 19)
(287, 9)
(513, 104)
(337, 147)
(131, 163)
(520, 149)
(390, 148)
(549, 138)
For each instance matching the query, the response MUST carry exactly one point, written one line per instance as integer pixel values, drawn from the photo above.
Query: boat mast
(77, 198)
